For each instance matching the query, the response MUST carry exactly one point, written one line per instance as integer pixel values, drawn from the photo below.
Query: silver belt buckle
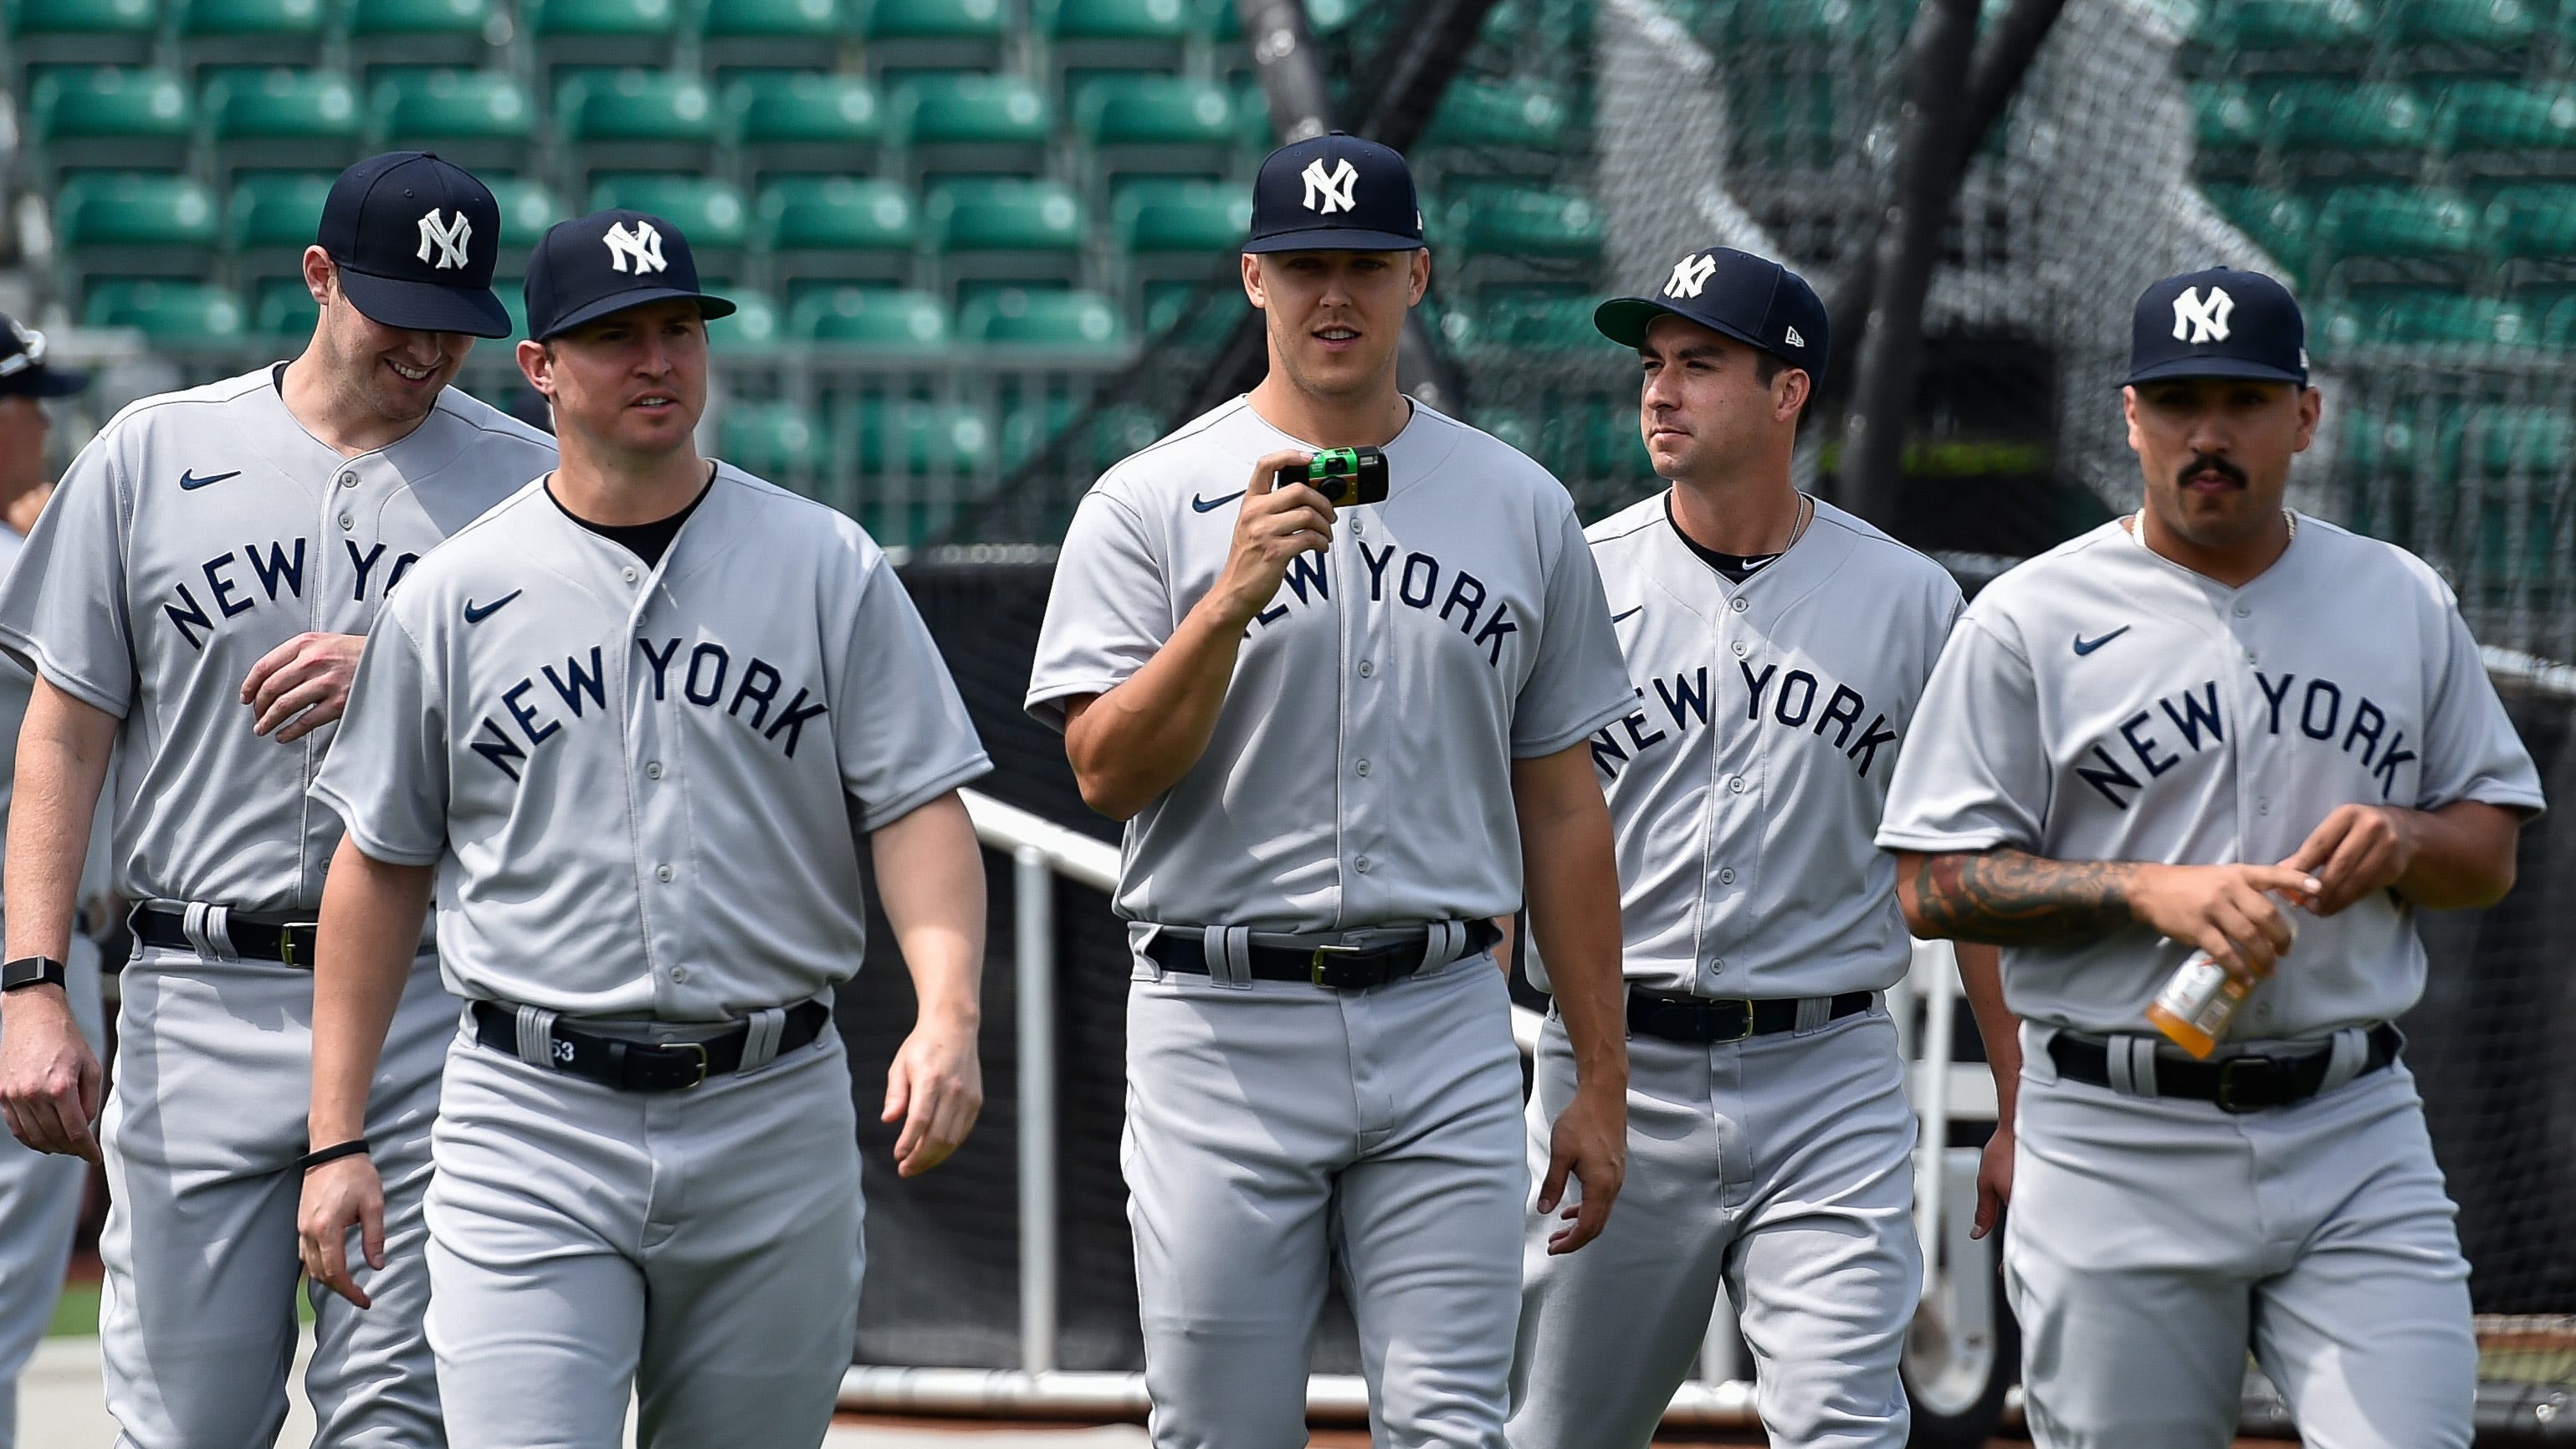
(1315, 962)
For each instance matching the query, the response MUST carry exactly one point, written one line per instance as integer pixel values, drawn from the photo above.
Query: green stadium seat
(1221, 21)
(1491, 218)
(876, 319)
(282, 309)
(804, 122)
(1167, 305)
(276, 212)
(2558, 324)
(2492, 24)
(2335, 115)
(1532, 319)
(2314, 26)
(168, 312)
(111, 116)
(2506, 116)
(911, 436)
(1093, 34)
(785, 33)
(776, 440)
(279, 118)
(2282, 224)
(170, 220)
(753, 325)
(1253, 132)
(81, 32)
(1162, 215)
(591, 33)
(711, 214)
(413, 33)
(839, 226)
(2535, 219)
(1155, 112)
(527, 209)
(1521, 113)
(971, 120)
(1006, 227)
(637, 119)
(2420, 316)
(2523, 439)
(251, 32)
(476, 118)
(965, 33)
(2397, 222)
(1054, 321)
(2226, 117)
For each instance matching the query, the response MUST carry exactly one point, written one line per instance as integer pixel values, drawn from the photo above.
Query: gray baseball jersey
(2101, 702)
(642, 787)
(1747, 776)
(198, 531)
(1360, 769)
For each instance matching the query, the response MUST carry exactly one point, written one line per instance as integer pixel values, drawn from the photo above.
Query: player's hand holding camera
(1278, 521)
(339, 1196)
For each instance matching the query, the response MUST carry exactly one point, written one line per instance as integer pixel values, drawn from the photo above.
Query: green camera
(1348, 476)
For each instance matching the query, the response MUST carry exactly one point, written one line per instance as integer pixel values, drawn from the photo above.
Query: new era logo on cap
(1334, 193)
(1752, 299)
(2218, 323)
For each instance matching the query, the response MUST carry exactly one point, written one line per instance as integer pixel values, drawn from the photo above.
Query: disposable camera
(1348, 476)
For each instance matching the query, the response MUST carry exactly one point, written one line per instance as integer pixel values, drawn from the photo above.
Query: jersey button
(347, 522)
(1738, 606)
(1363, 769)
(662, 873)
(348, 480)
(1361, 865)
(2244, 609)
(679, 973)
(1717, 965)
(653, 769)
(1739, 648)
(629, 573)
(1735, 784)
(1367, 669)
(1726, 876)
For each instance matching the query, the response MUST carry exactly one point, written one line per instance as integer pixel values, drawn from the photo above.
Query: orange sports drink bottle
(2200, 1000)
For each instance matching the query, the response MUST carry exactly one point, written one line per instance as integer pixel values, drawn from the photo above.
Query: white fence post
(1033, 907)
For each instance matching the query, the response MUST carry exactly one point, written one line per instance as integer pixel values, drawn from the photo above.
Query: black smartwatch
(30, 971)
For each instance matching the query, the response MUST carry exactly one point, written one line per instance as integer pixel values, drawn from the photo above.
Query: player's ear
(537, 364)
(1421, 282)
(321, 278)
(1789, 392)
(2311, 407)
(2129, 410)
(1252, 288)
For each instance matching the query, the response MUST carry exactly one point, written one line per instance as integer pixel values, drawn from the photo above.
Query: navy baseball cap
(606, 262)
(1751, 299)
(23, 369)
(1334, 193)
(414, 238)
(2218, 323)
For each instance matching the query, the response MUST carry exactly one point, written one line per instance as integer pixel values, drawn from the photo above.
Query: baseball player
(2216, 725)
(1778, 646)
(1341, 740)
(630, 728)
(193, 598)
(40, 1195)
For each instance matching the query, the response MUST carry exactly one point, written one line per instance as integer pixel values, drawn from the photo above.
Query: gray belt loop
(537, 1037)
(1229, 955)
(2131, 1063)
(1813, 1013)
(209, 930)
(2350, 1052)
(1442, 943)
(760, 1042)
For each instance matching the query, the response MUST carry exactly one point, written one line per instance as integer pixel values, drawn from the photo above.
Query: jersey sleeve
(1972, 773)
(900, 729)
(63, 608)
(386, 776)
(2471, 749)
(1579, 681)
(1108, 611)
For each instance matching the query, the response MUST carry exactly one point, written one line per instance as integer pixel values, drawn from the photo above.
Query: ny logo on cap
(642, 248)
(1330, 191)
(446, 239)
(2198, 319)
(1689, 275)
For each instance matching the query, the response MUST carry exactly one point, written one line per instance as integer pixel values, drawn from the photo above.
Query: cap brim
(1335, 239)
(44, 382)
(426, 306)
(1625, 320)
(708, 307)
(2235, 367)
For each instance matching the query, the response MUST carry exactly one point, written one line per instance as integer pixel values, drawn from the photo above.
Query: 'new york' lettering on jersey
(644, 789)
(1360, 770)
(2101, 702)
(197, 532)
(1746, 780)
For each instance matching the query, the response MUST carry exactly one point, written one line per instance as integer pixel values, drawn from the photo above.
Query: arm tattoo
(2013, 898)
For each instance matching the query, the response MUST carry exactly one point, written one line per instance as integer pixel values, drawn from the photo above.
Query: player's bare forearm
(2458, 856)
(1136, 741)
(930, 875)
(2009, 897)
(1572, 882)
(362, 957)
(1981, 979)
(63, 752)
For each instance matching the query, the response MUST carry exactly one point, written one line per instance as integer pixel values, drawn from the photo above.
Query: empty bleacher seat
(476, 118)
(2317, 27)
(1043, 319)
(636, 119)
(1129, 33)
(272, 218)
(783, 33)
(111, 116)
(165, 311)
(2494, 24)
(82, 32)
(1166, 215)
(143, 222)
(1493, 218)
(839, 226)
(282, 309)
(967, 33)
(803, 122)
(1538, 320)
(776, 440)
(971, 120)
(1516, 113)
(2226, 117)
(914, 436)
(268, 119)
(2422, 316)
(2535, 219)
(2508, 116)
(2397, 222)
(2279, 222)
(752, 326)
(591, 33)
(1006, 227)
(251, 32)
(1140, 123)
(425, 32)
(2338, 115)
(877, 319)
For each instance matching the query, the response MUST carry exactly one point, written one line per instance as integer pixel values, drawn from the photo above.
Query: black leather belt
(290, 944)
(1344, 968)
(1705, 1021)
(2249, 1083)
(639, 1066)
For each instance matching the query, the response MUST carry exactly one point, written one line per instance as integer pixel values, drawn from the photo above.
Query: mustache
(2210, 463)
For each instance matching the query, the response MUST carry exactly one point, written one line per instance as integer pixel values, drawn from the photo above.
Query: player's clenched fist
(339, 1196)
(1275, 525)
(302, 684)
(49, 1081)
(2223, 909)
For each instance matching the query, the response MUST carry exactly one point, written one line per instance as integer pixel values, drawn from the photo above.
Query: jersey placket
(351, 570)
(1734, 776)
(1361, 649)
(652, 756)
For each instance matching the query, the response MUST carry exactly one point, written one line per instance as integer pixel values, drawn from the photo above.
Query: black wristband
(30, 971)
(354, 1147)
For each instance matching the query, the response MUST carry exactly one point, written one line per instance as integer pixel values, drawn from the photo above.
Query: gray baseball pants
(40, 1199)
(213, 1078)
(700, 1246)
(2152, 1241)
(1276, 1131)
(1777, 1169)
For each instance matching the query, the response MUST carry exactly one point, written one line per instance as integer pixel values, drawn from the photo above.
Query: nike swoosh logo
(2087, 646)
(1615, 618)
(474, 615)
(192, 482)
(1211, 505)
